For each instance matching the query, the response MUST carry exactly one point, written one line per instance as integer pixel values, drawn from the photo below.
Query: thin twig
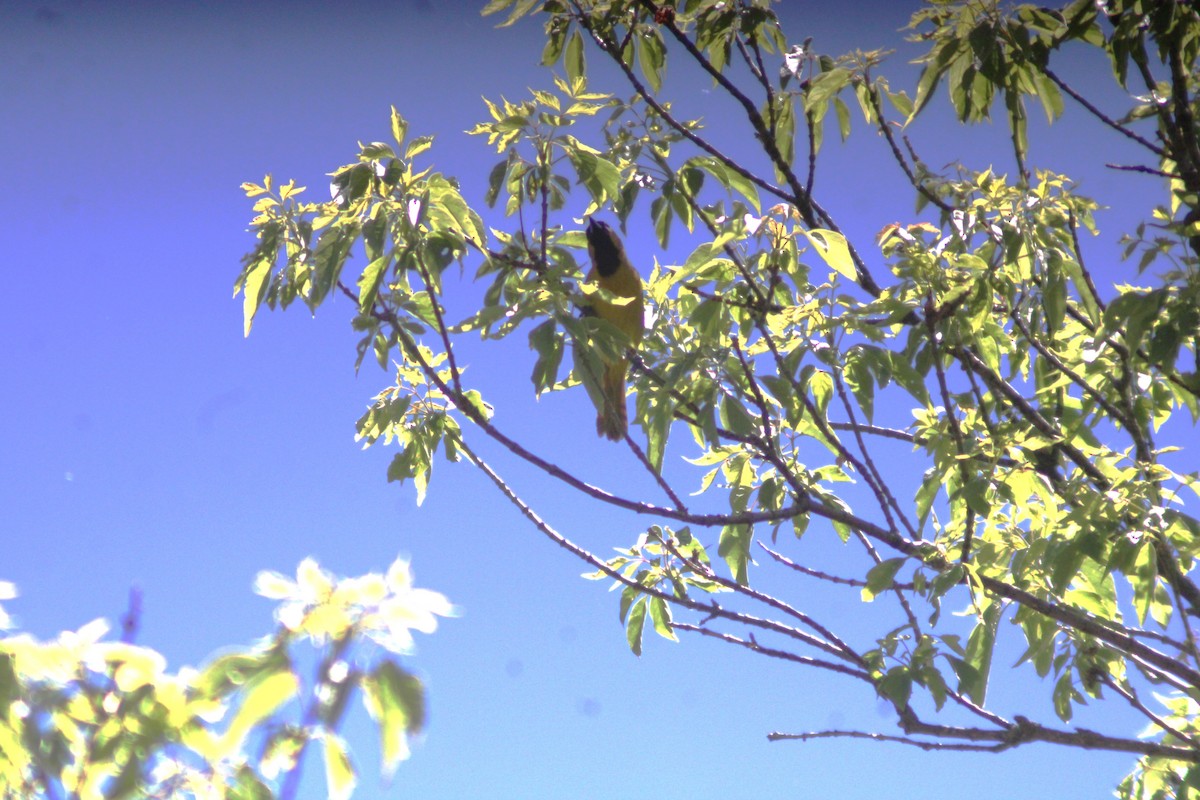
(441, 323)
(1087, 275)
(1132, 698)
(712, 609)
(1100, 115)
(658, 478)
(1144, 170)
(813, 573)
(886, 129)
(773, 652)
(956, 433)
(879, 488)
(132, 620)
(883, 737)
(832, 645)
(609, 47)
(764, 410)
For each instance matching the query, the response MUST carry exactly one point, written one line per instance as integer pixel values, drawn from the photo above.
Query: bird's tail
(613, 420)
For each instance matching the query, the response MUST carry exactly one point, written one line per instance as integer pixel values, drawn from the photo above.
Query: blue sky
(145, 441)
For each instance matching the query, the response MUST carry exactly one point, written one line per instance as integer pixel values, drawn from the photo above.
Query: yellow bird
(612, 271)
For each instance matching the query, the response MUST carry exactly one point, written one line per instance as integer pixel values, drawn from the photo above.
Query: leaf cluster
(83, 716)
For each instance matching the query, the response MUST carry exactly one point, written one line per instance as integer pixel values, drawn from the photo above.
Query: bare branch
(886, 129)
(1100, 115)
(658, 478)
(776, 736)
(773, 652)
(833, 644)
(711, 609)
(1144, 170)
(131, 621)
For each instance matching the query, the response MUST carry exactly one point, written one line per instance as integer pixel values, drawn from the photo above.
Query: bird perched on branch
(612, 272)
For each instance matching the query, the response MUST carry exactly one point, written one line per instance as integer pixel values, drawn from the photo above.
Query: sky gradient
(146, 442)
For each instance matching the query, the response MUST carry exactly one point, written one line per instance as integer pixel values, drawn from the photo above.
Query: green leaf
(736, 417)
(730, 178)
(785, 129)
(634, 626)
(333, 248)
(340, 777)
(399, 127)
(395, 700)
(975, 493)
(858, 377)
(10, 687)
(368, 282)
(734, 547)
(880, 578)
(651, 58)
(599, 176)
(418, 146)
(520, 9)
(896, 686)
(975, 667)
(1134, 313)
(575, 61)
(248, 786)
(936, 64)
(660, 614)
(843, 117)
(820, 384)
(823, 88)
(548, 343)
(495, 7)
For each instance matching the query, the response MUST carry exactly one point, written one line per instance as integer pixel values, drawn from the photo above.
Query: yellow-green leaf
(832, 247)
(253, 292)
(340, 778)
(262, 699)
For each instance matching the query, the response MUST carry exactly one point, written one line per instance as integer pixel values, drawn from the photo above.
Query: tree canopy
(799, 365)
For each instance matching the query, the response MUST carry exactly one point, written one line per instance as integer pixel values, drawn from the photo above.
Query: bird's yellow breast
(628, 317)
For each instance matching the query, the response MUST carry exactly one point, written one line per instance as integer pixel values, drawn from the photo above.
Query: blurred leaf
(264, 696)
(340, 777)
(395, 699)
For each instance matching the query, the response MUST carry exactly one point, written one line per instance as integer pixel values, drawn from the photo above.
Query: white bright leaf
(399, 575)
(135, 666)
(833, 249)
(274, 586)
(314, 582)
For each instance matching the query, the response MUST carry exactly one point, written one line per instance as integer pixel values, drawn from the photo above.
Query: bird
(612, 271)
